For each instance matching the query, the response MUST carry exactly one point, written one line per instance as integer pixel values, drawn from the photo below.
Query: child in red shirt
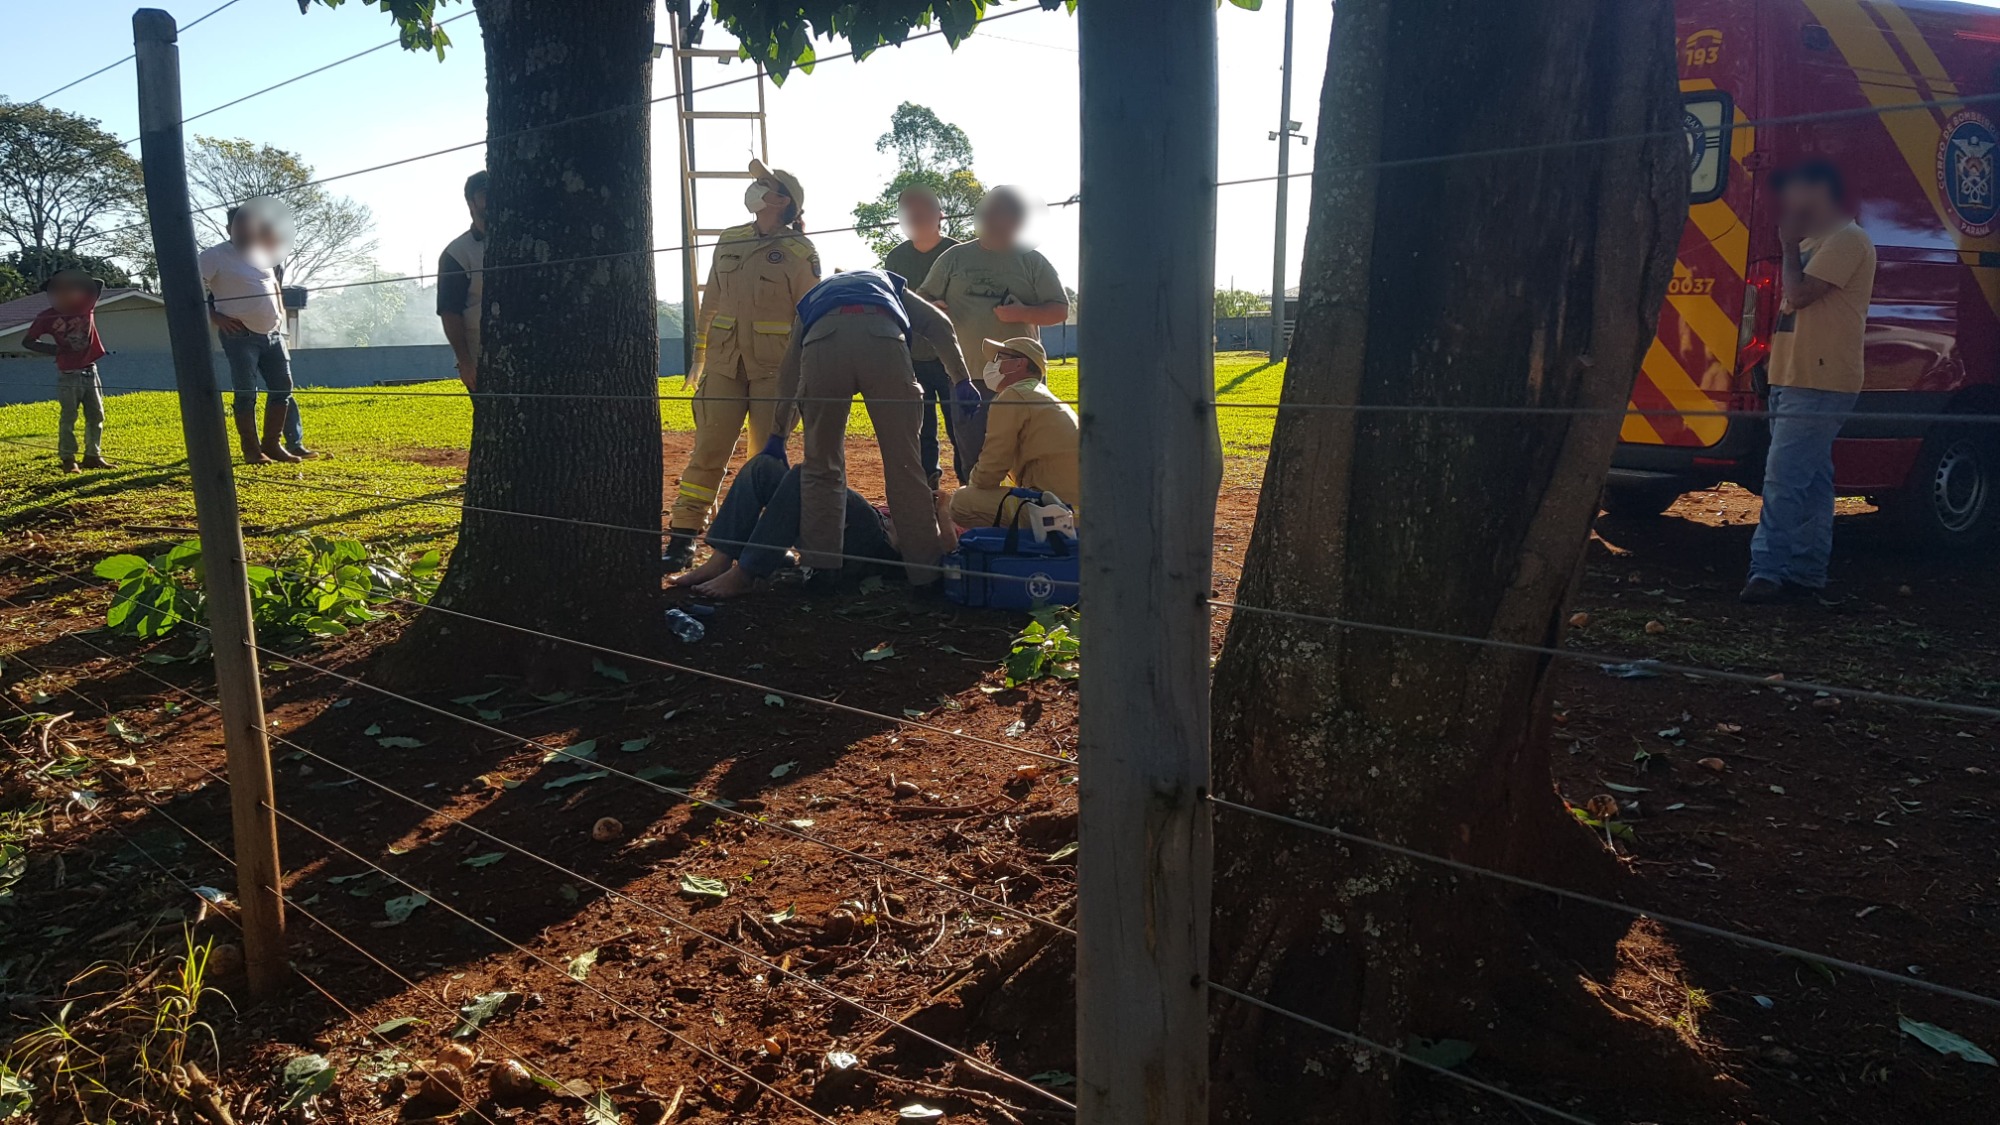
(71, 322)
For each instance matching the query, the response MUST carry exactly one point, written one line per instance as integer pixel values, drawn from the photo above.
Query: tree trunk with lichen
(575, 195)
(1525, 277)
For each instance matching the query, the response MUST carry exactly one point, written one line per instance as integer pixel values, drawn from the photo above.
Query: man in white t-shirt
(245, 305)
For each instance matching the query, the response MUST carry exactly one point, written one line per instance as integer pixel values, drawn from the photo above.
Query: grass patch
(395, 445)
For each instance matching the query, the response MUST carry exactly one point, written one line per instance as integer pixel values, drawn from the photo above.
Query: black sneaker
(1762, 591)
(300, 451)
(680, 551)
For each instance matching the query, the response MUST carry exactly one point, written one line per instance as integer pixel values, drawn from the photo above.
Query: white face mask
(991, 375)
(753, 198)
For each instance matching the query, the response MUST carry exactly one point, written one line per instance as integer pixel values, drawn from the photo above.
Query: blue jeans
(936, 382)
(251, 356)
(1794, 536)
(759, 520)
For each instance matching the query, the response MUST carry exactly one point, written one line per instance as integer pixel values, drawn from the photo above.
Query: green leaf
(1062, 853)
(1053, 1078)
(1944, 1042)
(399, 909)
(783, 768)
(371, 730)
(469, 700)
(609, 671)
(634, 745)
(390, 1027)
(883, 651)
(771, 700)
(122, 732)
(17, 1097)
(790, 912)
(1249, 6)
(474, 1013)
(581, 752)
(657, 772)
(704, 887)
(486, 860)
(118, 567)
(581, 964)
(1617, 788)
(398, 742)
(307, 1077)
(576, 779)
(1447, 1053)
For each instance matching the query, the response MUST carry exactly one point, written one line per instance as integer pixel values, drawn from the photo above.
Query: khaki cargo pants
(863, 354)
(722, 403)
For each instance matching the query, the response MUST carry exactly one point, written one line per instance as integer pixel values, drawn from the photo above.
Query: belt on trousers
(860, 310)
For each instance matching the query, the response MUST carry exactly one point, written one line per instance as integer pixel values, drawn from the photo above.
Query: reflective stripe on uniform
(697, 492)
(773, 327)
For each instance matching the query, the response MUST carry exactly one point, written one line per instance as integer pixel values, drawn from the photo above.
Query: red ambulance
(1903, 97)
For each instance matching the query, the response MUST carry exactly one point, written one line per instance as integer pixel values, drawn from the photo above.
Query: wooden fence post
(252, 805)
(1151, 469)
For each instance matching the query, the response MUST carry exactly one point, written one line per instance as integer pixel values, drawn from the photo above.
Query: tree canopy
(930, 153)
(332, 237)
(65, 183)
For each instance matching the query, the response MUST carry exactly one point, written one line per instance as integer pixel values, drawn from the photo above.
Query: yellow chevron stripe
(1712, 327)
(1919, 51)
(1638, 429)
(1914, 132)
(1719, 224)
(1672, 379)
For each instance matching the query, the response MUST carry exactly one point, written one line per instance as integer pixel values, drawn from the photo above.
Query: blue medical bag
(1000, 568)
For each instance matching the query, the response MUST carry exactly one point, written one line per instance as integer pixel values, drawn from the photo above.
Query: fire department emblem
(1697, 138)
(1966, 159)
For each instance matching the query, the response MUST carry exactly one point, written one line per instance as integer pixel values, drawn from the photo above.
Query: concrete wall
(34, 380)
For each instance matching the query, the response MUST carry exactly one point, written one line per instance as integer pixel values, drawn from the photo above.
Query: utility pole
(1152, 463)
(1287, 129)
(253, 811)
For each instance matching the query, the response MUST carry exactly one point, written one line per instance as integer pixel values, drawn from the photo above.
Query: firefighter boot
(680, 550)
(275, 410)
(246, 432)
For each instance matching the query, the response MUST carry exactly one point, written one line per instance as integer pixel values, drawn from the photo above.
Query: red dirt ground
(1864, 831)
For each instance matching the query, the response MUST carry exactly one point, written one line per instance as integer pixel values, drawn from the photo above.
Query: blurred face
(476, 204)
(1013, 365)
(921, 213)
(1000, 218)
(774, 202)
(1807, 203)
(68, 296)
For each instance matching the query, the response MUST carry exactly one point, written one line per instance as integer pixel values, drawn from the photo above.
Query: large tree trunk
(560, 193)
(1526, 278)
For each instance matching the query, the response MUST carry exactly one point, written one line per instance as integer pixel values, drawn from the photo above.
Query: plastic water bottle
(685, 627)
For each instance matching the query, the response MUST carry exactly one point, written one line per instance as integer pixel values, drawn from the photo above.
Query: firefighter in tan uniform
(761, 270)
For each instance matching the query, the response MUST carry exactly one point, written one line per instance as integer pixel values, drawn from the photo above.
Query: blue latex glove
(965, 398)
(775, 448)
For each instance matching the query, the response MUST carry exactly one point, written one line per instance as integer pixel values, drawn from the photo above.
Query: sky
(823, 126)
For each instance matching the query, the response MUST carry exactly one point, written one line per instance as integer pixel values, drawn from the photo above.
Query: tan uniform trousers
(853, 356)
(721, 405)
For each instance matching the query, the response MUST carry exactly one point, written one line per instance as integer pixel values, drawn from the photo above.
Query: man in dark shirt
(461, 288)
(923, 223)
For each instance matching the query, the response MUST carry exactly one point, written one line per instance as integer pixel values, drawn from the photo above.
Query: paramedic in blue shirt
(852, 336)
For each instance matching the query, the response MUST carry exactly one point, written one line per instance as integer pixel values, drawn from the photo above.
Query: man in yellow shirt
(1815, 375)
(1031, 438)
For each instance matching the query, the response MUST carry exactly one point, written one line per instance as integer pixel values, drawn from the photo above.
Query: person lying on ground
(70, 322)
(1031, 439)
(759, 522)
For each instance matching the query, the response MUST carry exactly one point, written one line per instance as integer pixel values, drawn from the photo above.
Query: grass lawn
(383, 444)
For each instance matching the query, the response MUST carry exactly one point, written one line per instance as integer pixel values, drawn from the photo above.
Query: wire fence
(1736, 933)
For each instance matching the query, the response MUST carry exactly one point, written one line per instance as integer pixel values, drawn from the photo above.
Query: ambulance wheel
(1952, 499)
(1639, 501)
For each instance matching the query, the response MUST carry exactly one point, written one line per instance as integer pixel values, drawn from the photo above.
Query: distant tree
(1071, 294)
(13, 286)
(1240, 302)
(668, 316)
(931, 153)
(360, 315)
(333, 236)
(65, 183)
(36, 264)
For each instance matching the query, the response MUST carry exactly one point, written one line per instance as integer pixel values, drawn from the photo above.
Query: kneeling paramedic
(852, 337)
(1031, 437)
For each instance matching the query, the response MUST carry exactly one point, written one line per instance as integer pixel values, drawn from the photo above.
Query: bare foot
(733, 581)
(717, 565)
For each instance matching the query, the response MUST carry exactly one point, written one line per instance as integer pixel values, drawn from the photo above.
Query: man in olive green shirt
(923, 224)
(992, 288)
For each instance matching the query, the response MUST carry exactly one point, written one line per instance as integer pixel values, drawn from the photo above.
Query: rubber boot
(275, 410)
(246, 432)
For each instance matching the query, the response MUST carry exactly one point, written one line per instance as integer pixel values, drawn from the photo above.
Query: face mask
(753, 198)
(991, 375)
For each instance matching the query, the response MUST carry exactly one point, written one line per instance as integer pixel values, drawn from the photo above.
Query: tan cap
(1023, 345)
(792, 187)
